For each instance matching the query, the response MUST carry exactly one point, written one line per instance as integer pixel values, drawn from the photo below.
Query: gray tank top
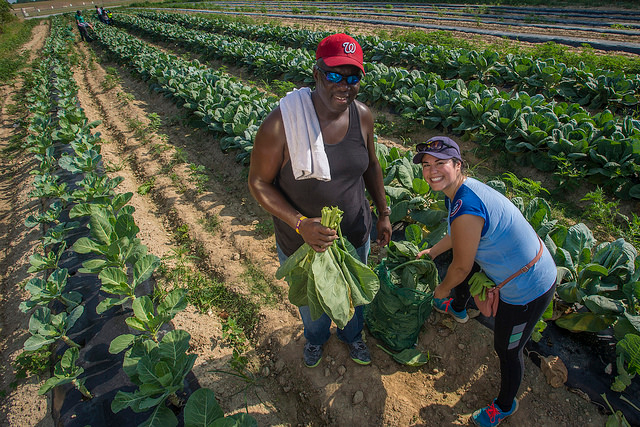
(348, 161)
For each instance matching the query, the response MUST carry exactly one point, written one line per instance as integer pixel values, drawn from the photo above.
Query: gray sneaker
(312, 355)
(359, 352)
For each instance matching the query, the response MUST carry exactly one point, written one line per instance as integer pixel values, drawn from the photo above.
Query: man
(347, 165)
(82, 26)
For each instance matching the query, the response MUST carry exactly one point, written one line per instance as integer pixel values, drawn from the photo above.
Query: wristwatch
(386, 212)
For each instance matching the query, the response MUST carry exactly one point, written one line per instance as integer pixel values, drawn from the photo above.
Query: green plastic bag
(402, 304)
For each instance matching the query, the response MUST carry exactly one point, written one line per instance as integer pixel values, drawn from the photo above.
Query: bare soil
(461, 376)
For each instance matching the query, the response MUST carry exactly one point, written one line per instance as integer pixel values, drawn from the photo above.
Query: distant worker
(82, 26)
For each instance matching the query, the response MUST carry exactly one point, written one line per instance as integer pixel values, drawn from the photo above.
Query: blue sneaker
(492, 415)
(359, 352)
(312, 355)
(443, 305)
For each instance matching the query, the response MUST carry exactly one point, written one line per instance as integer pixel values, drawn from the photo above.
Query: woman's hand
(441, 293)
(423, 253)
(316, 235)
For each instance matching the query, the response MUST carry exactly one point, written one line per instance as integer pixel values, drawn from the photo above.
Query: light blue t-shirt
(507, 243)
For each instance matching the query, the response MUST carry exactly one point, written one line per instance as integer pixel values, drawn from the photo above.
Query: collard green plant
(47, 328)
(48, 261)
(113, 237)
(148, 319)
(65, 372)
(627, 362)
(49, 216)
(45, 291)
(202, 410)
(115, 281)
(159, 370)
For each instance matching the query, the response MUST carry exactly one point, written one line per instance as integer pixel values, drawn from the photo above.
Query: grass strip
(13, 35)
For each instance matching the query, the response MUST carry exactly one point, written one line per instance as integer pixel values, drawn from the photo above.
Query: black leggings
(512, 329)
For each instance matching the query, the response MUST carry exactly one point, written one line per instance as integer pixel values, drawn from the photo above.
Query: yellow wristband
(302, 218)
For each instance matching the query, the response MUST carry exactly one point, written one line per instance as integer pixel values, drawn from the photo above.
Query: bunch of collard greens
(332, 282)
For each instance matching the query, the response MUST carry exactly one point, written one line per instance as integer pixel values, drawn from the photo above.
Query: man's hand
(383, 228)
(316, 235)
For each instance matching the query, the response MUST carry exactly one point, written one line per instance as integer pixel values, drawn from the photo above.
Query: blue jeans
(317, 332)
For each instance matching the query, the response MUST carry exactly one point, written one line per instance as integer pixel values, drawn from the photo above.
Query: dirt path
(20, 405)
(461, 376)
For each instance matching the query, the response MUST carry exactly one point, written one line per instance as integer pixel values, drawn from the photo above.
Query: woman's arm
(466, 231)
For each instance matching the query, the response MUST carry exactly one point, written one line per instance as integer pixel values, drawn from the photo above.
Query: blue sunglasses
(337, 77)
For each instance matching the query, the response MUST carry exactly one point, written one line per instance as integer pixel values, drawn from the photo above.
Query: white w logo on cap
(349, 47)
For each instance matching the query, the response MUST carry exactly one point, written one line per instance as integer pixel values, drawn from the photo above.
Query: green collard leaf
(585, 322)
(35, 342)
(143, 308)
(599, 304)
(93, 266)
(101, 227)
(420, 186)
(84, 245)
(108, 303)
(53, 382)
(73, 317)
(174, 302)
(174, 344)
(80, 210)
(144, 268)
(126, 226)
(202, 409)
(430, 218)
(413, 233)
(121, 342)
(136, 323)
(161, 417)
(115, 281)
(405, 173)
(124, 400)
(332, 289)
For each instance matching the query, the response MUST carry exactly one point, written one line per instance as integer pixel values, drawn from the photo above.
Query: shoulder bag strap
(525, 268)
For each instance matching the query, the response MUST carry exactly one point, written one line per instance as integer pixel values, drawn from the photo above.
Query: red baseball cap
(340, 49)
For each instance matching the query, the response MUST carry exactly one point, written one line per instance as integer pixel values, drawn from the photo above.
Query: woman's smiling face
(441, 174)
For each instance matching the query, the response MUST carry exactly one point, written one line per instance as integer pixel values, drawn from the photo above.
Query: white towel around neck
(304, 137)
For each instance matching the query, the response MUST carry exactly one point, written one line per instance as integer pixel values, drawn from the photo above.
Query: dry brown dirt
(461, 376)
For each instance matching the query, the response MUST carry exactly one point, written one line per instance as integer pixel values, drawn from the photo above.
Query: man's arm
(373, 176)
(267, 157)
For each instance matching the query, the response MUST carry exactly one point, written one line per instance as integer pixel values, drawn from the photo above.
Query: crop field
(139, 275)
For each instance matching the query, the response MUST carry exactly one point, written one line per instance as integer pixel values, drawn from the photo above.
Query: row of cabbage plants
(602, 277)
(77, 198)
(594, 88)
(559, 137)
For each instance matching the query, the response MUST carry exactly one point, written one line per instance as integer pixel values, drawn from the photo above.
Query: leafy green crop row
(225, 105)
(551, 136)
(61, 140)
(589, 87)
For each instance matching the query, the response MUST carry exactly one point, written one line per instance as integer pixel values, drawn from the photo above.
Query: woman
(487, 231)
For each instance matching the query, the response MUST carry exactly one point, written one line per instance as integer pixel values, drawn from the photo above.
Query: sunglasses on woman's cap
(440, 147)
(333, 77)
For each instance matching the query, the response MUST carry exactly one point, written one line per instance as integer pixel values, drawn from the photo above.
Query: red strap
(525, 268)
